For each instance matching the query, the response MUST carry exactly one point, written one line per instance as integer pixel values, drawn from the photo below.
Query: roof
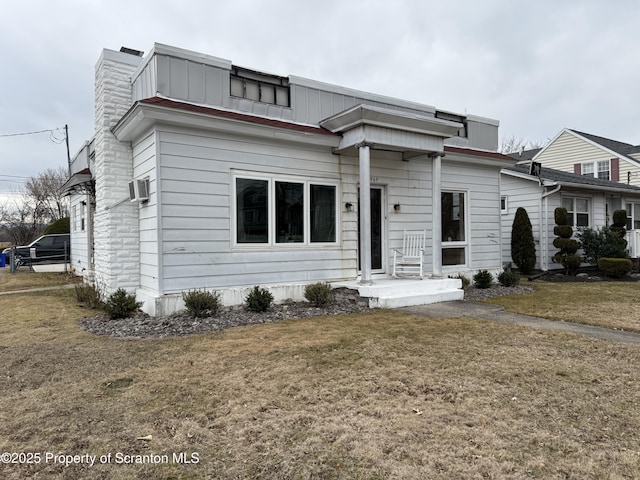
(218, 112)
(565, 178)
(524, 155)
(616, 146)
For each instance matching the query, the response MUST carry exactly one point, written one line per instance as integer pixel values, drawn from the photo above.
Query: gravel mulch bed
(346, 302)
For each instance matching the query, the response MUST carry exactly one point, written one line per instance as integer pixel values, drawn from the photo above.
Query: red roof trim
(163, 102)
(479, 153)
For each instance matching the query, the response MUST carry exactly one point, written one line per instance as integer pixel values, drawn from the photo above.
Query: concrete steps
(395, 293)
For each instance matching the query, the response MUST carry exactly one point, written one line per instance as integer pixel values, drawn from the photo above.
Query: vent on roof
(139, 190)
(131, 51)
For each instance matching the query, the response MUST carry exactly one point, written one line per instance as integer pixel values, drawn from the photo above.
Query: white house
(590, 202)
(243, 178)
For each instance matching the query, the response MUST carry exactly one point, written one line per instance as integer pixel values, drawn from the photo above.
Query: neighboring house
(242, 178)
(589, 201)
(586, 154)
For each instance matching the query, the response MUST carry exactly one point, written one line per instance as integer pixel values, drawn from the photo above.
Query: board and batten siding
(195, 179)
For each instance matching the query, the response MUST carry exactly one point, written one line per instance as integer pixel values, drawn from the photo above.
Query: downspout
(544, 230)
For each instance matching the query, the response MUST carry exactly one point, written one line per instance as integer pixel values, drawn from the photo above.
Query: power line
(51, 132)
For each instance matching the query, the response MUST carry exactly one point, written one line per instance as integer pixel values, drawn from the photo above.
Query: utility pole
(66, 138)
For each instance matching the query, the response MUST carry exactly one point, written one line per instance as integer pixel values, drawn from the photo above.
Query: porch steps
(395, 293)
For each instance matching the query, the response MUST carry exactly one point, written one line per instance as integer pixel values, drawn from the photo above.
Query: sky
(537, 67)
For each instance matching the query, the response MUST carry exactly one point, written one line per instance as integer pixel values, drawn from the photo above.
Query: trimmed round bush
(258, 299)
(508, 279)
(564, 231)
(319, 294)
(561, 216)
(568, 245)
(201, 303)
(482, 279)
(620, 218)
(615, 267)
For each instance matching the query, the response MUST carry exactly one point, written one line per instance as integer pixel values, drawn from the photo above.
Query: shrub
(523, 246)
(564, 243)
(319, 294)
(120, 304)
(63, 225)
(482, 279)
(615, 267)
(508, 279)
(201, 303)
(90, 295)
(258, 299)
(602, 243)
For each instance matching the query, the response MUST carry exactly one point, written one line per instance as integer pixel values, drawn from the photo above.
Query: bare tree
(44, 190)
(515, 144)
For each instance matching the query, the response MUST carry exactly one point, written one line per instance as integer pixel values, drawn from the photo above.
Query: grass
(606, 304)
(370, 396)
(23, 279)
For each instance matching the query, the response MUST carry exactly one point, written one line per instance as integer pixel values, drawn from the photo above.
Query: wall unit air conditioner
(139, 190)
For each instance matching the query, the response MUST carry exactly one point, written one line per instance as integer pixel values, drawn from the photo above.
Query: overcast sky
(535, 66)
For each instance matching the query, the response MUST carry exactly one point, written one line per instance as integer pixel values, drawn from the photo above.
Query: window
(600, 169)
(577, 210)
(633, 216)
(259, 87)
(82, 209)
(453, 228)
(276, 211)
(74, 218)
(503, 205)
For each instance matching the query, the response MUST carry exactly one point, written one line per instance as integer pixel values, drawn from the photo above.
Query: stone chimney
(116, 223)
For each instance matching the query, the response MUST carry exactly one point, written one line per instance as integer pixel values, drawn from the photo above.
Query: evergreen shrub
(319, 294)
(482, 279)
(120, 304)
(258, 299)
(615, 267)
(523, 246)
(508, 278)
(201, 303)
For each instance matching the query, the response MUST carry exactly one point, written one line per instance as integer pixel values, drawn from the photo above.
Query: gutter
(544, 228)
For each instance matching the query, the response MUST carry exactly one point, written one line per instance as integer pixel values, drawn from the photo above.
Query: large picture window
(454, 235)
(274, 211)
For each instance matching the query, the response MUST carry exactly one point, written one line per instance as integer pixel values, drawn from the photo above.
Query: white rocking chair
(410, 260)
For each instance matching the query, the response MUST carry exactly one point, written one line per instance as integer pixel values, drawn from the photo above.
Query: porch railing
(633, 243)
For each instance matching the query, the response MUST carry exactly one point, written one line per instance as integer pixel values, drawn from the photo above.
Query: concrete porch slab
(390, 292)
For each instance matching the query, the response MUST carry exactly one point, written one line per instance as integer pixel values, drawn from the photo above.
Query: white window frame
(83, 206)
(573, 213)
(458, 243)
(593, 169)
(504, 204)
(632, 219)
(271, 180)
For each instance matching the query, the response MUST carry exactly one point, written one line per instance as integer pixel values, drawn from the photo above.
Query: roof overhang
(78, 183)
(146, 113)
(389, 129)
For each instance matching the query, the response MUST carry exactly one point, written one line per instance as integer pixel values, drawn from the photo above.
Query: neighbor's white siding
(568, 150)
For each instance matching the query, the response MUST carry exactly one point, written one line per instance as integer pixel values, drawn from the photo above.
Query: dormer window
(260, 87)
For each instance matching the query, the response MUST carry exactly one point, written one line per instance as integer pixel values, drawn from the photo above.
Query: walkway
(498, 314)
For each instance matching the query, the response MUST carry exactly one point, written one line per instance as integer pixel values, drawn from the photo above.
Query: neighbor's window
(600, 169)
(454, 236)
(577, 210)
(276, 211)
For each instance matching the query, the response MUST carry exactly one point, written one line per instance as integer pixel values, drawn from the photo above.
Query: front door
(377, 229)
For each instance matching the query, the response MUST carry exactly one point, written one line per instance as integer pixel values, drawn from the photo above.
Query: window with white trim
(578, 211)
(633, 216)
(454, 228)
(504, 206)
(600, 169)
(275, 211)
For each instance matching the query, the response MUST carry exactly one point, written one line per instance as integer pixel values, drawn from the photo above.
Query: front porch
(387, 292)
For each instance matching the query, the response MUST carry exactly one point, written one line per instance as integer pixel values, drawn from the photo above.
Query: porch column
(365, 212)
(437, 213)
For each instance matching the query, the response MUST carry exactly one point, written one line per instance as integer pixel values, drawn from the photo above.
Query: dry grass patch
(376, 395)
(23, 279)
(606, 304)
